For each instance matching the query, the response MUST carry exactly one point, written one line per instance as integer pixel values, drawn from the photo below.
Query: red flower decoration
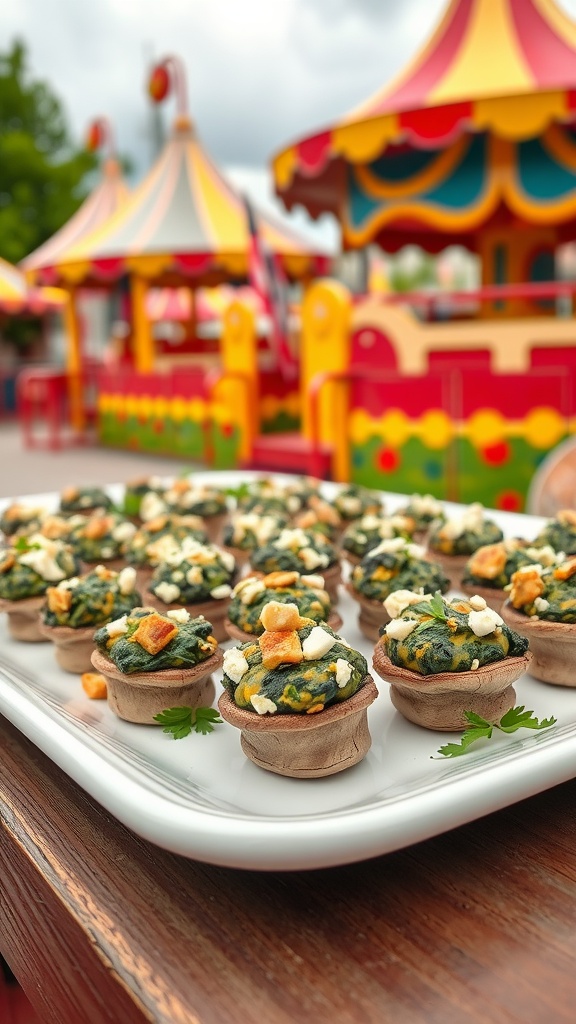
(510, 501)
(227, 430)
(387, 460)
(496, 454)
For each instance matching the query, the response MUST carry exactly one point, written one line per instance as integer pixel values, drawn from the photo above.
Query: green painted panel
(414, 467)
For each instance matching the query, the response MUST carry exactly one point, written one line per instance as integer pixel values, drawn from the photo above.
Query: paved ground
(30, 471)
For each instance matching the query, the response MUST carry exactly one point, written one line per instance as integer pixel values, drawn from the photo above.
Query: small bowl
(235, 633)
(438, 701)
(214, 526)
(139, 696)
(24, 618)
(453, 566)
(332, 577)
(553, 646)
(214, 610)
(73, 647)
(372, 614)
(305, 746)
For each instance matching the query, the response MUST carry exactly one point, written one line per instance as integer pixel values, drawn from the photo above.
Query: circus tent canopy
(16, 296)
(480, 119)
(41, 265)
(184, 224)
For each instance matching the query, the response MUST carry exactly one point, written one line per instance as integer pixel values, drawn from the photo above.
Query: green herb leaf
(518, 718)
(475, 719)
(206, 718)
(437, 607)
(242, 491)
(22, 544)
(471, 735)
(478, 728)
(179, 722)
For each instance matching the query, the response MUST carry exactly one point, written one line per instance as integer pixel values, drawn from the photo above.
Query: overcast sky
(260, 72)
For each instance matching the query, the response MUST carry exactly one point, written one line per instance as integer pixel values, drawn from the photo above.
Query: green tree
(42, 172)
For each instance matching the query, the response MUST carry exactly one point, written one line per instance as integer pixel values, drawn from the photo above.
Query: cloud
(260, 72)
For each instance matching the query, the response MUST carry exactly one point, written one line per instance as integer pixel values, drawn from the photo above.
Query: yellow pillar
(142, 340)
(325, 348)
(74, 362)
(239, 392)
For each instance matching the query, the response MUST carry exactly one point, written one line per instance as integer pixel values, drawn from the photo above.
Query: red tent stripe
(415, 91)
(550, 58)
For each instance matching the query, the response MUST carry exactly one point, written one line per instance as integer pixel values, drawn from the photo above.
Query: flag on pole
(267, 278)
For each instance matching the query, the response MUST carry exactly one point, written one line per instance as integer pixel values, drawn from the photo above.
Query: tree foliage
(42, 172)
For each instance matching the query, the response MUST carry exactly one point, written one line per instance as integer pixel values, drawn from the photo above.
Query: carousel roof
(504, 67)
(16, 296)
(184, 223)
(97, 208)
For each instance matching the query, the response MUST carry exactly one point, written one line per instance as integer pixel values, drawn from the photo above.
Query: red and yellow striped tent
(18, 297)
(481, 122)
(41, 266)
(185, 223)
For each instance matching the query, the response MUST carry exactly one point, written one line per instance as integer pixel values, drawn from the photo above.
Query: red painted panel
(376, 393)
(514, 394)
(454, 359)
(371, 349)
(564, 358)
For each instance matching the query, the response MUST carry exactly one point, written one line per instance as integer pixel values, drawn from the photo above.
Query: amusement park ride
(474, 144)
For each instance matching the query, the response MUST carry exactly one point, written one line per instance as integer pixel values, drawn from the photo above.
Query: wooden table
(100, 926)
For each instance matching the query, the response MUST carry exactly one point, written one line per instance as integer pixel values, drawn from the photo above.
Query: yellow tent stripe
(490, 31)
(219, 209)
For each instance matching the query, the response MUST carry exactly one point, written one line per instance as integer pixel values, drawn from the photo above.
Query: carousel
(184, 228)
(473, 144)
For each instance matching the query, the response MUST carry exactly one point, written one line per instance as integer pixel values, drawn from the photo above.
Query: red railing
(534, 291)
(43, 397)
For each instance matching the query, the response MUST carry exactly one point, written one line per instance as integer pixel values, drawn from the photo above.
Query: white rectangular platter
(200, 797)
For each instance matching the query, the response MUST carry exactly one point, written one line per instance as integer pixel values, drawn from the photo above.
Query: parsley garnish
(478, 728)
(23, 545)
(180, 721)
(242, 491)
(435, 608)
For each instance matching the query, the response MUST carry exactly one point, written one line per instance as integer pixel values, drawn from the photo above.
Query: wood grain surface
(100, 927)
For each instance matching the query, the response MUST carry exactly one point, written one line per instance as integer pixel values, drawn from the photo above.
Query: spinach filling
(449, 645)
(78, 499)
(559, 533)
(194, 580)
(466, 542)
(312, 604)
(378, 575)
(192, 644)
(18, 581)
(95, 599)
(298, 688)
(275, 556)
